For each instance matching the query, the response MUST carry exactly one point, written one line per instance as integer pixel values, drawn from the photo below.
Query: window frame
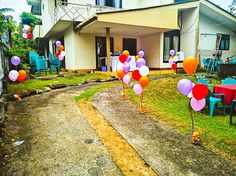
(96, 2)
(171, 34)
(224, 38)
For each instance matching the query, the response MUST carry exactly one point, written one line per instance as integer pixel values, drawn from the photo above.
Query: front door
(101, 51)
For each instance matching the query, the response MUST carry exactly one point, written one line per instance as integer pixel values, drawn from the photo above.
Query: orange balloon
(61, 48)
(29, 29)
(126, 52)
(144, 81)
(21, 76)
(137, 57)
(190, 65)
(120, 74)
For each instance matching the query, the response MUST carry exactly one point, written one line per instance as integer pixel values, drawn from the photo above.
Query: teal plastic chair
(233, 108)
(205, 62)
(37, 63)
(228, 81)
(203, 81)
(54, 63)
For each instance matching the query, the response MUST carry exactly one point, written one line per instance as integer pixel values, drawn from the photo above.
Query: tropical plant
(29, 19)
(232, 7)
(5, 23)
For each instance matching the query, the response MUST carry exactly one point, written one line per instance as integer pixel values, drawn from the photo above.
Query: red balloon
(174, 66)
(200, 91)
(135, 75)
(29, 36)
(123, 58)
(57, 54)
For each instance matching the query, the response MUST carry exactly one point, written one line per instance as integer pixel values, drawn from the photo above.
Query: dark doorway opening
(130, 44)
(101, 49)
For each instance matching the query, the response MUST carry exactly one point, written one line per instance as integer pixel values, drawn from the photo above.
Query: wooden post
(108, 49)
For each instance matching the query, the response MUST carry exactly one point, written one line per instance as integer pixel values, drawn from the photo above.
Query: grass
(34, 84)
(86, 95)
(164, 103)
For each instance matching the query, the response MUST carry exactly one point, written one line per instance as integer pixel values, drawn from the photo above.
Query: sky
(21, 5)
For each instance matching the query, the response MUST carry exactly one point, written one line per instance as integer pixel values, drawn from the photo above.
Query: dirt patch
(125, 156)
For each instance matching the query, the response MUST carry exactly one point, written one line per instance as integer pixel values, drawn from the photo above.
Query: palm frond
(4, 10)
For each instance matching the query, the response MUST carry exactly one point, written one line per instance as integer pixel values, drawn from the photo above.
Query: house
(88, 28)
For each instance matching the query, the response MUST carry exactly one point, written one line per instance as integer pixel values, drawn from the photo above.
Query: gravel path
(164, 149)
(58, 139)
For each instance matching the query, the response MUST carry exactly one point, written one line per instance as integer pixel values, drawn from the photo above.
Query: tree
(5, 23)
(29, 19)
(232, 7)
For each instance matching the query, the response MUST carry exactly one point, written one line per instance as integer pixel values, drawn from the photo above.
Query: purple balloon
(58, 43)
(197, 105)
(61, 57)
(185, 86)
(126, 67)
(141, 53)
(172, 52)
(24, 30)
(13, 75)
(129, 59)
(140, 62)
(15, 60)
(138, 89)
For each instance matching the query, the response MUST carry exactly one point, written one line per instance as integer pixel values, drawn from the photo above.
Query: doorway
(101, 49)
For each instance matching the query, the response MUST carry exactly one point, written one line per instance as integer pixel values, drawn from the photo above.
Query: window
(171, 41)
(60, 2)
(130, 44)
(225, 42)
(110, 3)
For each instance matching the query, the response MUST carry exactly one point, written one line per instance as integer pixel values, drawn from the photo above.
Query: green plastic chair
(54, 63)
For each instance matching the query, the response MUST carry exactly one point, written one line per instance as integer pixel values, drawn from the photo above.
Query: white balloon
(120, 66)
(143, 71)
(126, 79)
(26, 27)
(63, 53)
(13, 75)
(176, 58)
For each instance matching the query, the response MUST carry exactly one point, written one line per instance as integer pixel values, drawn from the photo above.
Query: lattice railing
(77, 12)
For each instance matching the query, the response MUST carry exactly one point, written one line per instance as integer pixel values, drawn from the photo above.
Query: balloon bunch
(197, 93)
(27, 32)
(123, 68)
(140, 75)
(13, 74)
(60, 53)
(173, 59)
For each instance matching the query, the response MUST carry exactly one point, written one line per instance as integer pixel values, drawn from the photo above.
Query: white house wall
(188, 33)
(207, 38)
(47, 7)
(151, 46)
(145, 3)
(69, 40)
(85, 52)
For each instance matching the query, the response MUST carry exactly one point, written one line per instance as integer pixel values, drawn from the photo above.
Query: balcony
(77, 12)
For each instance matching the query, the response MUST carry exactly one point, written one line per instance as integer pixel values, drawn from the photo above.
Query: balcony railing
(77, 12)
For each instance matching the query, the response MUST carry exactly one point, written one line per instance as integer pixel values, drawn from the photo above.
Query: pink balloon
(197, 105)
(138, 89)
(60, 57)
(171, 61)
(126, 79)
(24, 35)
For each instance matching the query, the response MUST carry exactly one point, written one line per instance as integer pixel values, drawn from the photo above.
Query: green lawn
(166, 104)
(35, 84)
